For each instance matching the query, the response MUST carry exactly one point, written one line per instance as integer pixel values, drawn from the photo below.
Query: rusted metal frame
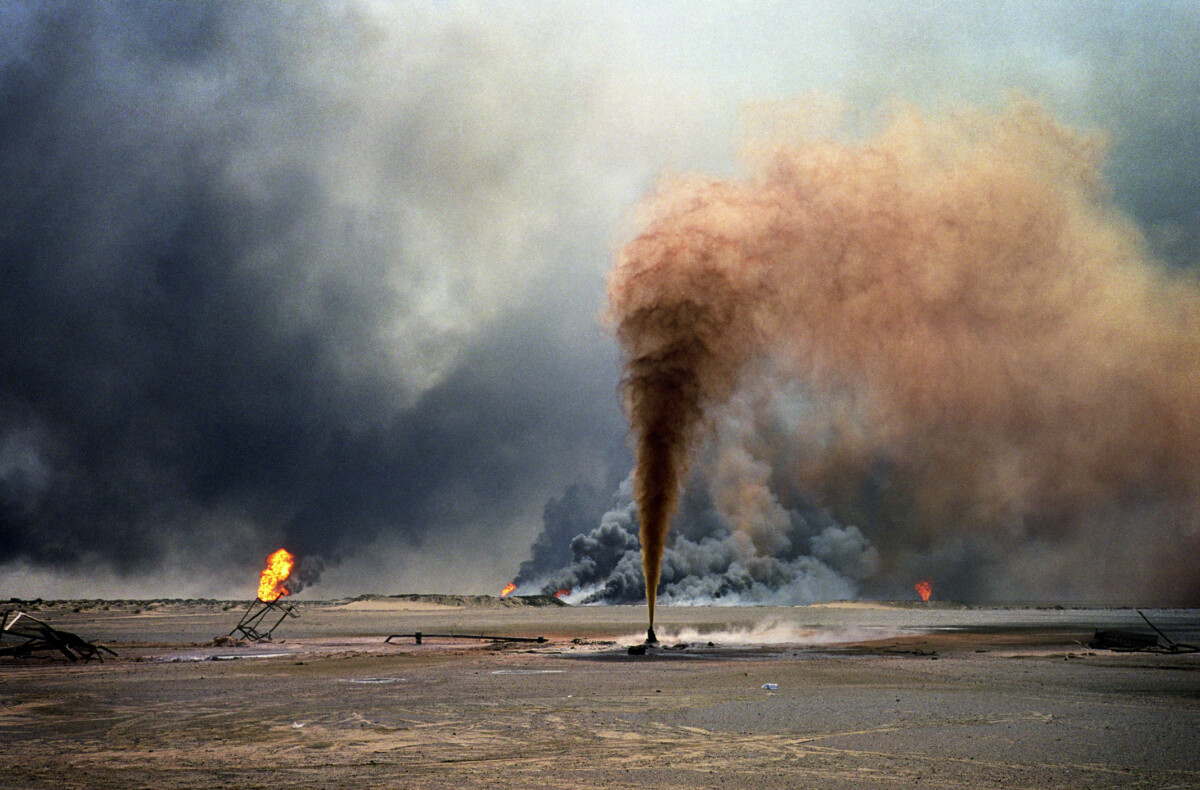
(252, 620)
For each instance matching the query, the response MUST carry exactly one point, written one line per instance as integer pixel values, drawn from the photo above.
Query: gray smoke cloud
(708, 559)
(327, 275)
(315, 276)
(733, 541)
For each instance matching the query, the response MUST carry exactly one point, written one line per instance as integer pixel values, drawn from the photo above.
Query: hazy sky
(328, 274)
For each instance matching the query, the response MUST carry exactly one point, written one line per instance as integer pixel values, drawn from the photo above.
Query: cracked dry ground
(551, 718)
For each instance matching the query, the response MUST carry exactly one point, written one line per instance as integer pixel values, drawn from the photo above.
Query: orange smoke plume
(270, 582)
(958, 296)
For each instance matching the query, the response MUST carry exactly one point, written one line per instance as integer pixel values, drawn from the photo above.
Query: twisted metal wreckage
(35, 635)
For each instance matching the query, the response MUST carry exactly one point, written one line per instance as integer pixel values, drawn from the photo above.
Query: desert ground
(826, 696)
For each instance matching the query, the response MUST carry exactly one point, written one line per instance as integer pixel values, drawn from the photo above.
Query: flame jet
(958, 295)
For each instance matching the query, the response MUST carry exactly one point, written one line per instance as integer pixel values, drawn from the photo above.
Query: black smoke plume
(708, 559)
(267, 273)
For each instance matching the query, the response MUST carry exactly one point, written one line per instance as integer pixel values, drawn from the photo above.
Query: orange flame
(508, 588)
(561, 593)
(924, 589)
(270, 583)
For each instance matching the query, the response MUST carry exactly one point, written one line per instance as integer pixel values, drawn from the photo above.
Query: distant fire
(270, 583)
(508, 588)
(924, 589)
(561, 593)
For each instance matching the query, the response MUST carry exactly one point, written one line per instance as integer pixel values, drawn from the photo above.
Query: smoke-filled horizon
(327, 277)
(316, 277)
(961, 305)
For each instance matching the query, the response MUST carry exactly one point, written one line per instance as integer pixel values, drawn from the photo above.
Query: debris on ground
(33, 635)
(1122, 641)
(226, 641)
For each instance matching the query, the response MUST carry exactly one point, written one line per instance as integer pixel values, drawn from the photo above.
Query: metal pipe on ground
(418, 636)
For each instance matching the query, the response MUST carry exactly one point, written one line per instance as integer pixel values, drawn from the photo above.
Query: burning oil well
(974, 339)
(277, 579)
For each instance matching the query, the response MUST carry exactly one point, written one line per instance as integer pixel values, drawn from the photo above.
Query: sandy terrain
(868, 696)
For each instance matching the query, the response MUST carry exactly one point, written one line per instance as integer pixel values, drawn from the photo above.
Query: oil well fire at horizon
(285, 575)
(272, 588)
(271, 581)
